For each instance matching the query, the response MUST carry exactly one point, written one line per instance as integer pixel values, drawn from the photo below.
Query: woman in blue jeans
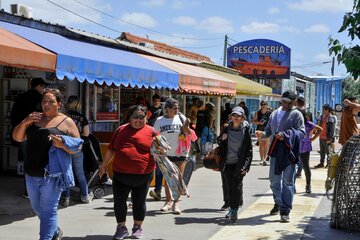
(42, 131)
(73, 108)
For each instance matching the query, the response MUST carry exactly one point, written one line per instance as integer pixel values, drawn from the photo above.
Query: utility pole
(332, 66)
(225, 50)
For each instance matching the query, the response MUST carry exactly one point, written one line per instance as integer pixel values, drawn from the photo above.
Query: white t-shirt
(170, 128)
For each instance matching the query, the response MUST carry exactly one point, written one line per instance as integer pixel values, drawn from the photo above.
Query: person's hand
(33, 117)
(102, 170)
(224, 136)
(328, 141)
(259, 134)
(279, 136)
(243, 172)
(56, 140)
(346, 102)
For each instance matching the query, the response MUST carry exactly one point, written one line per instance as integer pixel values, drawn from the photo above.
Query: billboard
(260, 58)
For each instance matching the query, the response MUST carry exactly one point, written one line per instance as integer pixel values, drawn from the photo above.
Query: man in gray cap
(284, 123)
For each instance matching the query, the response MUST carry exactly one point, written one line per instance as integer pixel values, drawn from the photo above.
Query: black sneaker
(225, 207)
(308, 189)
(284, 217)
(58, 235)
(320, 165)
(275, 210)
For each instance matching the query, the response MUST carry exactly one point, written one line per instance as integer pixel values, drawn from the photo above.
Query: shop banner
(260, 58)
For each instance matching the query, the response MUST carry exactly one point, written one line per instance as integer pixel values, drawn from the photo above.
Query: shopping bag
(212, 159)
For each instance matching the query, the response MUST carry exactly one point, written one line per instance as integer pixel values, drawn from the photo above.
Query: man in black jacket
(26, 103)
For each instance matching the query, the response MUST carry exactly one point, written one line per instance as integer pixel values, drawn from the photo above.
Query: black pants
(138, 184)
(234, 184)
(225, 189)
(305, 157)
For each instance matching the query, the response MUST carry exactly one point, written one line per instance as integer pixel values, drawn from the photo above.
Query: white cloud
(322, 5)
(140, 19)
(258, 27)
(321, 57)
(45, 11)
(181, 4)
(184, 21)
(274, 10)
(317, 28)
(153, 3)
(216, 25)
(267, 27)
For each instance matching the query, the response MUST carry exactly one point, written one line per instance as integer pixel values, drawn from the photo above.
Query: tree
(349, 55)
(350, 88)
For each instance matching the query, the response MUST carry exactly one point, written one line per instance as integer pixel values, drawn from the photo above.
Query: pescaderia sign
(260, 58)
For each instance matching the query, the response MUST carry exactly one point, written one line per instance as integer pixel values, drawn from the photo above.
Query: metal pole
(225, 50)
(332, 66)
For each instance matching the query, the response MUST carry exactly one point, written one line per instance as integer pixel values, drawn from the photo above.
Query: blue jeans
(78, 169)
(44, 199)
(158, 179)
(282, 186)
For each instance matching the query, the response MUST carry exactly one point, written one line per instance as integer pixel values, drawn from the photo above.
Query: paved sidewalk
(200, 218)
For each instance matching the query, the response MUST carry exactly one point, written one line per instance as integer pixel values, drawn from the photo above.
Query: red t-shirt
(132, 149)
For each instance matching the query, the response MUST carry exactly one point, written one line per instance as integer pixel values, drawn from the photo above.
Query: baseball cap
(238, 110)
(288, 96)
(38, 81)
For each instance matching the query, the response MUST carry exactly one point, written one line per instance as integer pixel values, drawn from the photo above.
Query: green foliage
(351, 88)
(349, 55)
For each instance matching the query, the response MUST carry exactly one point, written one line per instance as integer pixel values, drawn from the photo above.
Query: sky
(200, 26)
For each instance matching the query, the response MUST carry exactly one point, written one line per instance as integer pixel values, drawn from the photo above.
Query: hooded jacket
(245, 152)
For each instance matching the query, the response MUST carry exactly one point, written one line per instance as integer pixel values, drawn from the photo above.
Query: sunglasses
(141, 117)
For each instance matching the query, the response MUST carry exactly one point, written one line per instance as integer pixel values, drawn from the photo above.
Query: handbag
(212, 160)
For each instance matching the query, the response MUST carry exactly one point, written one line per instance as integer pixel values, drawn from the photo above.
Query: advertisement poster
(260, 58)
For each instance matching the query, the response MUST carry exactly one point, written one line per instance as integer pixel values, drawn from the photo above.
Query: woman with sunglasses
(42, 131)
(261, 118)
(170, 126)
(133, 168)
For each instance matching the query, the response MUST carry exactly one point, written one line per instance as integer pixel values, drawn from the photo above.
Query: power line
(112, 29)
(212, 46)
(148, 29)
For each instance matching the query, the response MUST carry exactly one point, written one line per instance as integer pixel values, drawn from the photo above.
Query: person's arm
(20, 130)
(71, 130)
(107, 158)
(255, 119)
(315, 132)
(355, 107)
(86, 131)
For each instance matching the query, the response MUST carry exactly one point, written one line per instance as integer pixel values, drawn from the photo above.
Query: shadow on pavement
(13, 206)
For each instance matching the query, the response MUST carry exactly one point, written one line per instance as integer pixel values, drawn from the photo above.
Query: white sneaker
(167, 207)
(108, 182)
(88, 198)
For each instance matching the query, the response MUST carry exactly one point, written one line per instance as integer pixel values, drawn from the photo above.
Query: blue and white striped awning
(94, 63)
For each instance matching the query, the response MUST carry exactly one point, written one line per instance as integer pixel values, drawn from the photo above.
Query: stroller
(92, 158)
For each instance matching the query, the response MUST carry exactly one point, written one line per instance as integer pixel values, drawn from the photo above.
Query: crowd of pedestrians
(54, 137)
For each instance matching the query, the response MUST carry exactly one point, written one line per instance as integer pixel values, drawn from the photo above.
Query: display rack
(13, 82)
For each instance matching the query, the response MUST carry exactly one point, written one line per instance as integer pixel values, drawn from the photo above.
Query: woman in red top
(133, 168)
